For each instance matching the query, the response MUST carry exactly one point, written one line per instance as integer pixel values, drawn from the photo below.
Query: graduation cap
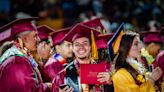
(102, 41)
(96, 24)
(44, 31)
(79, 31)
(59, 35)
(149, 37)
(114, 42)
(5, 36)
(19, 25)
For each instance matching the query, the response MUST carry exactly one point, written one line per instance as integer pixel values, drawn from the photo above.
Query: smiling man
(80, 36)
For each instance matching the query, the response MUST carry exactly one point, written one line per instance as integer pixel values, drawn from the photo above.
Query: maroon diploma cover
(89, 72)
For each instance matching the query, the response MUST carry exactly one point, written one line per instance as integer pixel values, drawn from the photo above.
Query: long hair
(125, 46)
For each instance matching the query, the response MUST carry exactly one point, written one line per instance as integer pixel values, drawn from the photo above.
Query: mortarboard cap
(58, 36)
(95, 24)
(19, 25)
(149, 37)
(44, 31)
(5, 36)
(79, 31)
(102, 41)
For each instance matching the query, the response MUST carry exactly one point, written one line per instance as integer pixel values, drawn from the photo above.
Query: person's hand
(156, 74)
(43, 50)
(104, 77)
(66, 89)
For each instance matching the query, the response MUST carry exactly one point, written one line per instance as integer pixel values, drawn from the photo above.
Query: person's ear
(20, 41)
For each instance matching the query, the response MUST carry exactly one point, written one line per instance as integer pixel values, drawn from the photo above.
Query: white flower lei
(138, 66)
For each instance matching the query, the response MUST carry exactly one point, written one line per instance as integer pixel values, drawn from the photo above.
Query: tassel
(116, 44)
(20, 42)
(94, 52)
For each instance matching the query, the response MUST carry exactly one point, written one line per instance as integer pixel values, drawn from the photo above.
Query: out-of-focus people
(62, 47)
(52, 64)
(102, 47)
(130, 73)
(153, 44)
(62, 52)
(96, 24)
(159, 61)
(44, 35)
(103, 57)
(105, 22)
(153, 26)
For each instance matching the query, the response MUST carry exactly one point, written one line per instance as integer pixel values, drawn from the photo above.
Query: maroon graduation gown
(18, 75)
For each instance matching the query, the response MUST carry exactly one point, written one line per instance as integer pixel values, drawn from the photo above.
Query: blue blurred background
(140, 15)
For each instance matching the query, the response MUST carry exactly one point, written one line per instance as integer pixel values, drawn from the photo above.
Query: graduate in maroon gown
(45, 38)
(159, 61)
(82, 38)
(18, 69)
(102, 47)
(153, 44)
(62, 51)
(53, 64)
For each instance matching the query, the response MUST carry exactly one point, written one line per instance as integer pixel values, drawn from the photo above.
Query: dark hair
(62, 42)
(103, 55)
(125, 45)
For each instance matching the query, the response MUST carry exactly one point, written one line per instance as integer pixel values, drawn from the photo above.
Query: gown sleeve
(53, 70)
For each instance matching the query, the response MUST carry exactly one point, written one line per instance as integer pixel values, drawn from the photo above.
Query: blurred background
(140, 15)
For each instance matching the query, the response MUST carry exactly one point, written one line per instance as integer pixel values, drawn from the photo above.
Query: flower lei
(139, 67)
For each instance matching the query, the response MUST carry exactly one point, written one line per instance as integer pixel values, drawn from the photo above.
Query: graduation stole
(60, 58)
(13, 51)
(139, 67)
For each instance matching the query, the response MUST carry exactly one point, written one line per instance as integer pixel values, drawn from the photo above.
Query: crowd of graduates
(40, 59)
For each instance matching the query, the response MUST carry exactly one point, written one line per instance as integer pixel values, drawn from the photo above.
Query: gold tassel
(94, 52)
(116, 44)
(20, 42)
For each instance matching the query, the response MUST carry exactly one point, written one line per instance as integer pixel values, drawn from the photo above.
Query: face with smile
(81, 47)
